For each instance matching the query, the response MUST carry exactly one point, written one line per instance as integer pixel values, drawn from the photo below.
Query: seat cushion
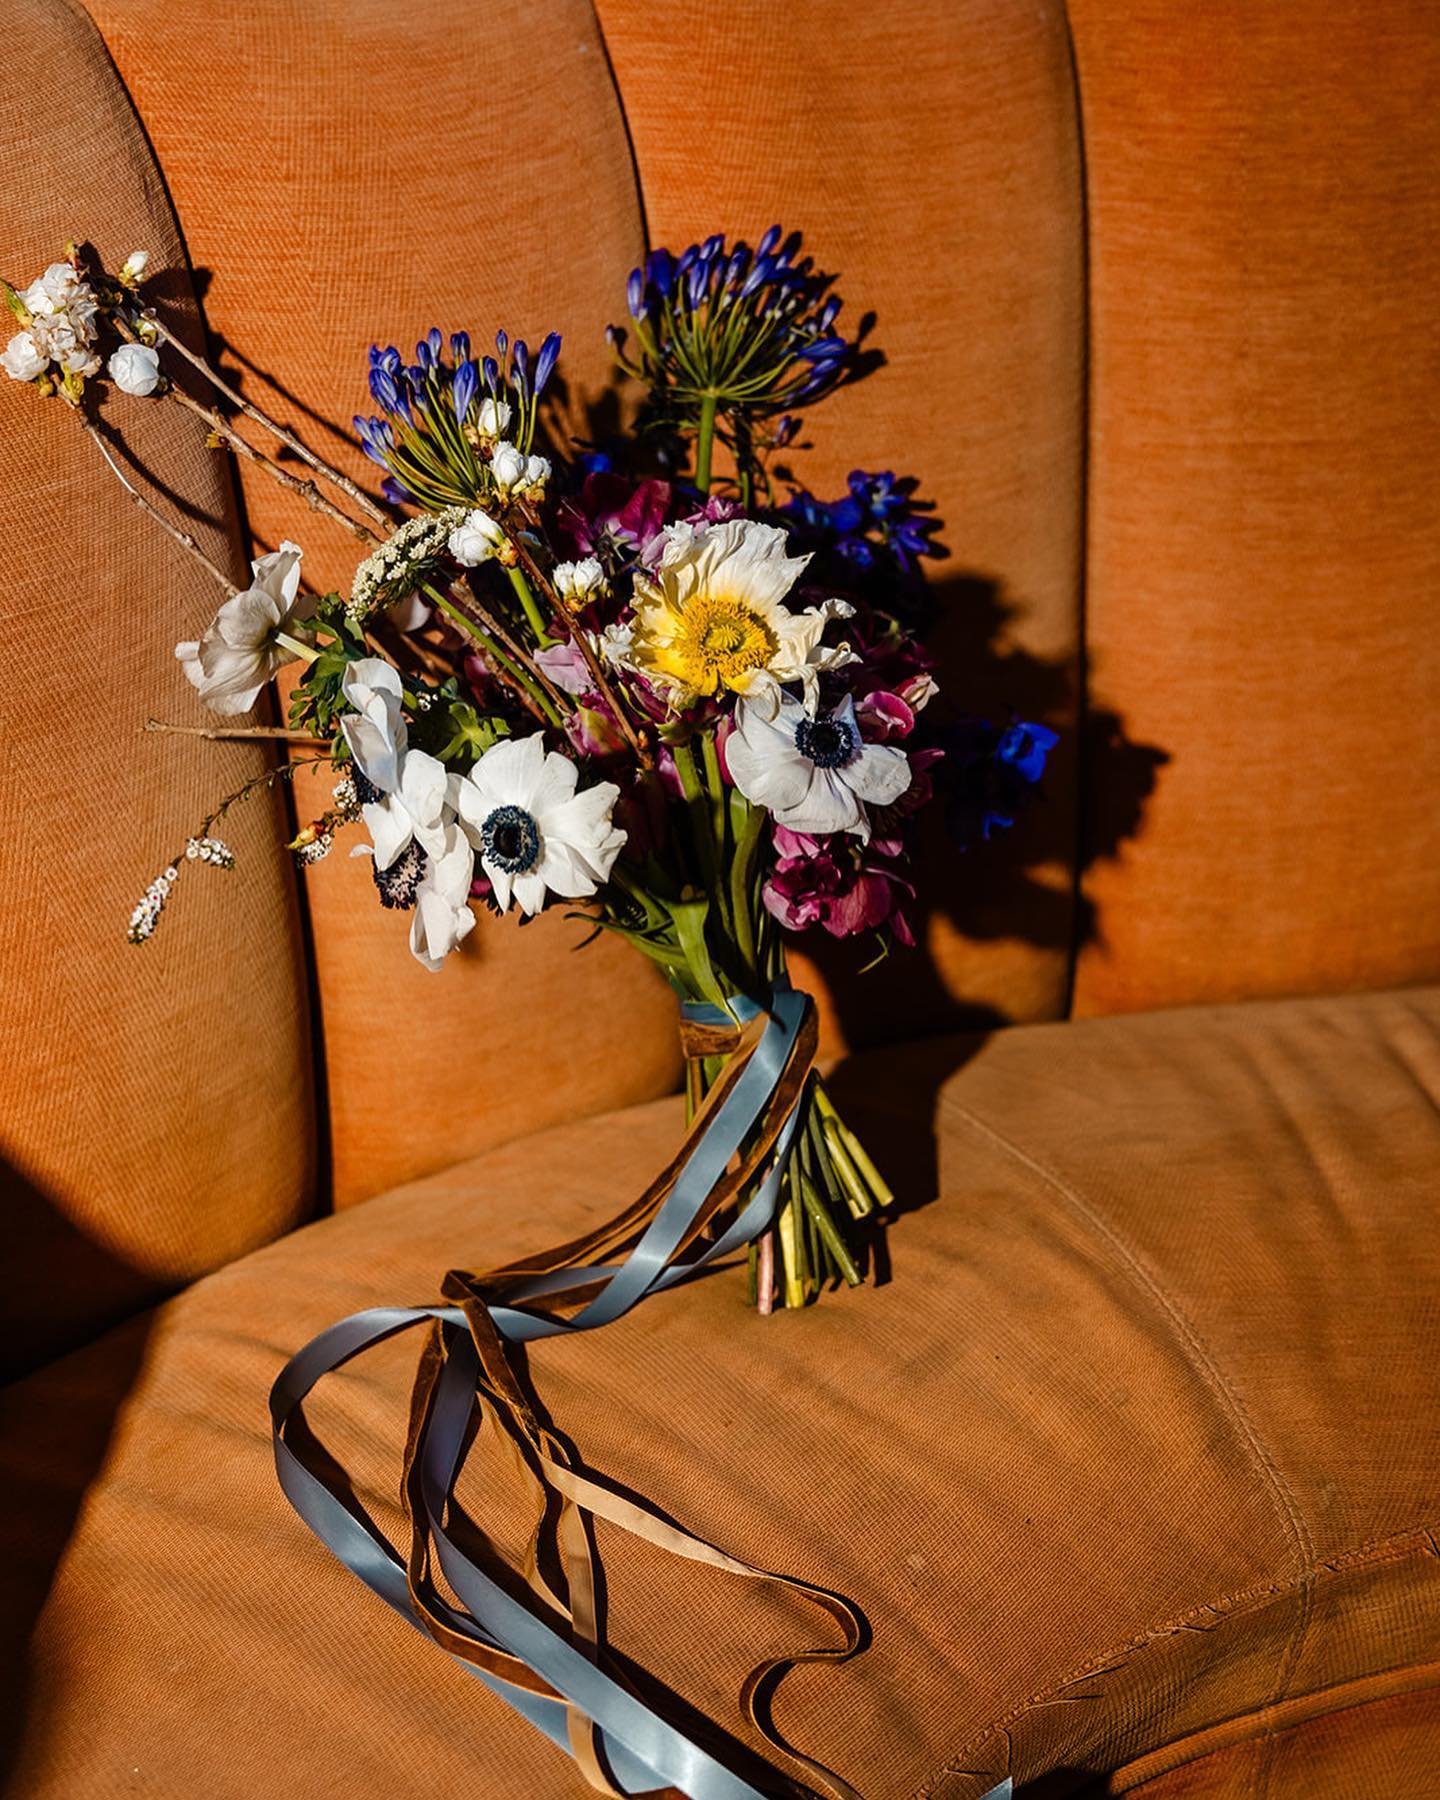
(1135, 1435)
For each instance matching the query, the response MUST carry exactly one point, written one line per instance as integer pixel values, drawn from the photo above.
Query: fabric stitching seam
(1416, 1540)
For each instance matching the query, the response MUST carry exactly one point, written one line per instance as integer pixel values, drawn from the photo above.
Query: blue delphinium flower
(733, 332)
(991, 772)
(878, 524)
(433, 425)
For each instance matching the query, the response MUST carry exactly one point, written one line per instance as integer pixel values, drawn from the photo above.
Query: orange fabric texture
(1377, 1751)
(1147, 1415)
(423, 189)
(936, 166)
(156, 1103)
(1264, 548)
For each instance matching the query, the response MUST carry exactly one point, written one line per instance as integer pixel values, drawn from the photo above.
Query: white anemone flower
(252, 636)
(711, 617)
(442, 919)
(411, 806)
(534, 834)
(813, 774)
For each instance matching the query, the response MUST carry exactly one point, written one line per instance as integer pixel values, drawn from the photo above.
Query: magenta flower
(593, 732)
(837, 884)
(609, 509)
(883, 716)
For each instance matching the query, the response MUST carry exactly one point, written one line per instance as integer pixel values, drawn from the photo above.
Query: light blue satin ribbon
(643, 1751)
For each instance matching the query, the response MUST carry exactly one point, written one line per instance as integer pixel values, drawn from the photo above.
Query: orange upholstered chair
(1133, 1463)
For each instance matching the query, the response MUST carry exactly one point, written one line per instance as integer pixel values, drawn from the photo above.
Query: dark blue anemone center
(829, 743)
(511, 840)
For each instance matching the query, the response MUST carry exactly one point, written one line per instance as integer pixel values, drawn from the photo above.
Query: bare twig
(468, 600)
(275, 733)
(183, 538)
(582, 641)
(273, 426)
(307, 490)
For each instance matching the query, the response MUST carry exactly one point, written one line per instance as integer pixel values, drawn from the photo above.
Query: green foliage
(318, 701)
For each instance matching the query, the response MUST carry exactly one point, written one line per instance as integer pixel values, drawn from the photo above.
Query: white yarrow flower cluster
(59, 328)
(402, 561)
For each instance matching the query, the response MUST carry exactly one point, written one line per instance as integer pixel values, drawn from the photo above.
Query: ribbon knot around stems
(532, 1640)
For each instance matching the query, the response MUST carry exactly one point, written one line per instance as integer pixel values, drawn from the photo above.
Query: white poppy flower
(442, 918)
(23, 358)
(411, 804)
(475, 540)
(492, 418)
(537, 471)
(711, 618)
(578, 583)
(241, 652)
(507, 469)
(534, 834)
(813, 775)
(135, 369)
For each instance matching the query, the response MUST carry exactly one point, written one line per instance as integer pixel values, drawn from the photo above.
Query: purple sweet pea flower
(565, 666)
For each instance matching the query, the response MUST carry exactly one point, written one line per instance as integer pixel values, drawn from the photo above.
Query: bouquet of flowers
(652, 678)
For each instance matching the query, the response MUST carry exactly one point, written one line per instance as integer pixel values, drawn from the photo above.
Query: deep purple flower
(611, 510)
(838, 884)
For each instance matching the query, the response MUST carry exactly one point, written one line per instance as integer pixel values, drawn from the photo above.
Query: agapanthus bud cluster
(751, 330)
(445, 420)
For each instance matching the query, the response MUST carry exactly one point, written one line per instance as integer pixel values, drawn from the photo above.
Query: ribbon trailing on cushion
(541, 1653)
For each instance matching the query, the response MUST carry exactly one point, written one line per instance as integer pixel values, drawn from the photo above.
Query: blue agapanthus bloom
(877, 524)
(437, 412)
(991, 772)
(744, 332)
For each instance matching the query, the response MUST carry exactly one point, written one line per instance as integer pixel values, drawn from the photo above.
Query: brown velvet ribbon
(564, 1499)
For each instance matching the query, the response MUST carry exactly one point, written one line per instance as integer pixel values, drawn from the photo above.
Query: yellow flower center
(718, 642)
